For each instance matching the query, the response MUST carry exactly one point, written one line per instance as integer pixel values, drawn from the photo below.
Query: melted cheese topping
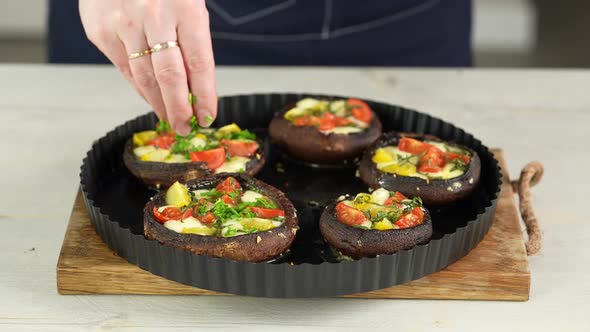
(234, 165)
(342, 130)
(179, 226)
(219, 218)
(338, 107)
(394, 154)
(379, 216)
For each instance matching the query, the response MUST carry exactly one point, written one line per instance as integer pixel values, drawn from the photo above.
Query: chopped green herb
(411, 204)
(459, 165)
(211, 194)
(224, 211)
(247, 213)
(457, 150)
(230, 231)
(244, 134)
(250, 230)
(203, 207)
(401, 160)
(194, 124)
(233, 194)
(163, 127)
(183, 144)
(362, 198)
(208, 120)
(259, 202)
(392, 215)
(265, 203)
(192, 99)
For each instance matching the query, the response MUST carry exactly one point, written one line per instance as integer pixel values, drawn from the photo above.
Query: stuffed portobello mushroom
(382, 222)
(325, 131)
(235, 217)
(421, 165)
(160, 157)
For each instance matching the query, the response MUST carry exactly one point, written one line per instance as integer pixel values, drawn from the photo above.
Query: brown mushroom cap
(307, 143)
(164, 175)
(358, 242)
(434, 192)
(255, 247)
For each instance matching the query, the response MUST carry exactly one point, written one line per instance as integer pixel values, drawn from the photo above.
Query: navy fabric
(308, 32)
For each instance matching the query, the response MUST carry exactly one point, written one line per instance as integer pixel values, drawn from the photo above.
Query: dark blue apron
(308, 32)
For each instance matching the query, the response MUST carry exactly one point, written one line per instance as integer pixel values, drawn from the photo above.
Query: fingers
(142, 70)
(195, 40)
(163, 78)
(171, 76)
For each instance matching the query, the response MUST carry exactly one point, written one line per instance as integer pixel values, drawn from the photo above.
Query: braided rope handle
(530, 175)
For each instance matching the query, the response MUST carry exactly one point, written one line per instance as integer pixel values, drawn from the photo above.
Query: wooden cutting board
(496, 270)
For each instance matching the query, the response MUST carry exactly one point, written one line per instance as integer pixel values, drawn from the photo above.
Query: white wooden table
(50, 115)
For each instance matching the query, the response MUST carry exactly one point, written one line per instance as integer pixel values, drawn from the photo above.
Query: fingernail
(183, 129)
(205, 118)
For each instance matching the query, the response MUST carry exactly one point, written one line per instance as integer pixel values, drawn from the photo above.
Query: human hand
(121, 27)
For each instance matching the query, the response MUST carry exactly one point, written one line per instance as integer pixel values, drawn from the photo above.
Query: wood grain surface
(496, 270)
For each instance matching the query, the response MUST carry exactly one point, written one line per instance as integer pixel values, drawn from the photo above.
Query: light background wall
(506, 32)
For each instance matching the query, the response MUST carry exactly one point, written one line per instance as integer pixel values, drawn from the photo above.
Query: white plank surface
(51, 115)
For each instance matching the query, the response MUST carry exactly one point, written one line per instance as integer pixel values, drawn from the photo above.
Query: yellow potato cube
(140, 151)
(156, 155)
(177, 195)
(202, 230)
(393, 168)
(143, 137)
(227, 129)
(176, 158)
(383, 156)
(258, 224)
(406, 169)
(384, 225)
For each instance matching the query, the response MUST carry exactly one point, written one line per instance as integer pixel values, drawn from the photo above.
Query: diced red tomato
(214, 157)
(452, 156)
(349, 215)
(240, 148)
(314, 120)
(163, 142)
(171, 213)
(328, 121)
(228, 200)
(395, 199)
(159, 216)
(266, 213)
(301, 121)
(412, 145)
(411, 219)
(424, 168)
(229, 185)
(341, 121)
(418, 212)
(360, 110)
(207, 218)
(434, 157)
(308, 120)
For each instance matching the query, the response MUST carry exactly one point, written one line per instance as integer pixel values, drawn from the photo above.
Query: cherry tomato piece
(229, 185)
(266, 213)
(349, 215)
(360, 110)
(240, 148)
(412, 145)
(214, 157)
